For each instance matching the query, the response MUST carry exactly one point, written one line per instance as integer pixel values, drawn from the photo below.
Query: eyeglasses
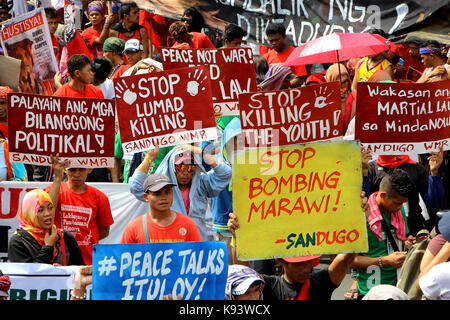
(185, 167)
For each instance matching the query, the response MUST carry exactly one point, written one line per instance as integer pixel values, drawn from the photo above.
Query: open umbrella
(337, 47)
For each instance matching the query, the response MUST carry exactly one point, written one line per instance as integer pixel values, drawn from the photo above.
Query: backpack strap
(389, 235)
(145, 226)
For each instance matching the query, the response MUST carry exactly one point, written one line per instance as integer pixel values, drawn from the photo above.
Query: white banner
(36, 281)
(124, 206)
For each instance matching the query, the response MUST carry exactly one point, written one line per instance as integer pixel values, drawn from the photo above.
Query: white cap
(133, 45)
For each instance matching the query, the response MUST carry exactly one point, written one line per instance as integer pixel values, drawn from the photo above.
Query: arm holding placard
(137, 180)
(58, 170)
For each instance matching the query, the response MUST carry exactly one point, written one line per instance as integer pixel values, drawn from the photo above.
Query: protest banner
(299, 200)
(306, 20)
(27, 38)
(231, 72)
(40, 281)
(77, 129)
(286, 117)
(194, 270)
(165, 109)
(403, 118)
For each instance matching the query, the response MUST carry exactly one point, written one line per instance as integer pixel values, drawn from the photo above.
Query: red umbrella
(337, 47)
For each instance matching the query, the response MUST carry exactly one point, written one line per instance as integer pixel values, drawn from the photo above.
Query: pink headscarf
(27, 218)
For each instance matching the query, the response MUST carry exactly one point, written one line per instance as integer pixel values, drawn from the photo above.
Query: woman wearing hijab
(37, 239)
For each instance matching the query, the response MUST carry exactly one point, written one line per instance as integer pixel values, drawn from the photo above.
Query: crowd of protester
(186, 187)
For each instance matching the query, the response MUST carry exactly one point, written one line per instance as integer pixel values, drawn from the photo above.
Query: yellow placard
(299, 200)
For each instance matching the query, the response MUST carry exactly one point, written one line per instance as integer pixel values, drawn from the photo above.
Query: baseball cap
(114, 44)
(304, 259)
(184, 156)
(240, 279)
(444, 226)
(385, 292)
(156, 182)
(133, 45)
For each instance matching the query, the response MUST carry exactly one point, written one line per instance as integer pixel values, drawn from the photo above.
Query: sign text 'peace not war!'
(299, 200)
(194, 270)
(293, 116)
(231, 71)
(165, 108)
(400, 118)
(77, 129)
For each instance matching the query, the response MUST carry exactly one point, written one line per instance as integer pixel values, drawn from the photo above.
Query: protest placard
(165, 109)
(231, 72)
(77, 129)
(286, 117)
(27, 38)
(403, 118)
(194, 270)
(299, 200)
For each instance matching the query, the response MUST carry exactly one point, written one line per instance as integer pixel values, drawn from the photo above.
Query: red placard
(293, 116)
(399, 118)
(78, 129)
(165, 109)
(231, 72)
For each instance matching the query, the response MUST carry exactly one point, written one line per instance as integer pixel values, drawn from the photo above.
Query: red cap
(304, 259)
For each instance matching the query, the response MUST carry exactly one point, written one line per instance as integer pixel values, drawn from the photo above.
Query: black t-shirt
(277, 288)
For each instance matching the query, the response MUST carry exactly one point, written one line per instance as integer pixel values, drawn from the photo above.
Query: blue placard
(194, 270)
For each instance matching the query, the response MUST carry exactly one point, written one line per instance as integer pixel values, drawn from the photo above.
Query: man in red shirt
(96, 34)
(160, 224)
(129, 27)
(280, 51)
(80, 209)
(80, 68)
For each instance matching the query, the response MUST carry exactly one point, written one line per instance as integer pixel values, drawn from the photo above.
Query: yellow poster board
(299, 200)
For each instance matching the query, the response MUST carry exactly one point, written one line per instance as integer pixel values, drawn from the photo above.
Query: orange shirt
(95, 50)
(90, 91)
(201, 40)
(273, 57)
(120, 71)
(182, 229)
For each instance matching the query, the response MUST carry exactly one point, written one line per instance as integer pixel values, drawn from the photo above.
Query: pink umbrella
(337, 47)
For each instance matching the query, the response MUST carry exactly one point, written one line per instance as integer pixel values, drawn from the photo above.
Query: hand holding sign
(435, 161)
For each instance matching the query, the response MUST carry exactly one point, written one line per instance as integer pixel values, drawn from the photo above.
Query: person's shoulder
(95, 191)
(62, 92)
(95, 92)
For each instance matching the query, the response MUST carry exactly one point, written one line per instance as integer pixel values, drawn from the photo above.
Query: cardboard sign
(293, 116)
(402, 118)
(194, 270)
(79, 129)
(231, 72)
(165, 109)
(27, 38)
(299, 200)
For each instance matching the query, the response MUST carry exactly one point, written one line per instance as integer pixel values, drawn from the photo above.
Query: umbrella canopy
(337, 47)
